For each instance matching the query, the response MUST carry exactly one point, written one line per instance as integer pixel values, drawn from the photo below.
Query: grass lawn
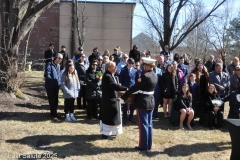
(26, 128)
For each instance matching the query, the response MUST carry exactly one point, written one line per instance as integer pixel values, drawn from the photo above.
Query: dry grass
(26, 128)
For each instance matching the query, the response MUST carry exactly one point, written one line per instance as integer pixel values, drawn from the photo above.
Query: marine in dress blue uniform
(144, 103)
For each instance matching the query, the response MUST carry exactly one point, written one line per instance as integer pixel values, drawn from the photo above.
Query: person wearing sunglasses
(52, 83)
(93, 92)
(122, 64)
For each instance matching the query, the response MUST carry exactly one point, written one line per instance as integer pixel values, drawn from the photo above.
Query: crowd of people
(170, 82)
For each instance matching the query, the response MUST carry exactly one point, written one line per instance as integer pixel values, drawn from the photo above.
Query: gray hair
(109, 64)
(218, 64)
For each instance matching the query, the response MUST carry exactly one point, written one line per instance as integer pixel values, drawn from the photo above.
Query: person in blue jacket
(127, 79)
(52, 83)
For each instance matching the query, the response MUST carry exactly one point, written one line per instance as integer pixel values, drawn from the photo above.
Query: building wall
(46, 31)
(108, 25)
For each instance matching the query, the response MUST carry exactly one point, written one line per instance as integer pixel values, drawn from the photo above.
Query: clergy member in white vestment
(110, 112)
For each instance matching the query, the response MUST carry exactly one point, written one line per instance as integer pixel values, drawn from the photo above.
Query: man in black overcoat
(110, 117)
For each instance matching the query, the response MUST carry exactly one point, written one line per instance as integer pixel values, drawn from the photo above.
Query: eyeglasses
(125, 57)
(83, 57)
(94, 64)
(130, 63)
(59, 58)
(99, 59)
(237, 69)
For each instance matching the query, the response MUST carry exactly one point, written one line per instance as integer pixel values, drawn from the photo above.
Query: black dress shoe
(107, 137)
(137, 148)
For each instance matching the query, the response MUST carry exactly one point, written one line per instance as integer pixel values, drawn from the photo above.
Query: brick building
(108, 25)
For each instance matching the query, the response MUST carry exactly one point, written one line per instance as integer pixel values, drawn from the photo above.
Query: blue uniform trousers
(145, 128)
(157, 102)
(124, 110)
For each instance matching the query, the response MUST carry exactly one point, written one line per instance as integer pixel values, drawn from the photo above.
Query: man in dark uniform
(144, 103)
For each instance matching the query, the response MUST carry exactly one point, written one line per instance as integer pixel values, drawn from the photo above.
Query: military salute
(144, 103)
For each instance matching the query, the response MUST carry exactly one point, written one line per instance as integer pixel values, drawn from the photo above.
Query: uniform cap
(147, 60)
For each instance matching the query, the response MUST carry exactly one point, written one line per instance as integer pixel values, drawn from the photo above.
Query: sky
(138, 22)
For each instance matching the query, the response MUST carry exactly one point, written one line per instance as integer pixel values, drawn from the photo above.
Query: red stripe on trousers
(140, 129)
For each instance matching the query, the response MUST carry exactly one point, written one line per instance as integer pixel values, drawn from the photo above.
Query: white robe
(111, 130)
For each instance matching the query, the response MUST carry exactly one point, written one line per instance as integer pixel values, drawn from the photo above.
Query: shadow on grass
(186, 150)
(78, 145)
(25, 117)
(32, 106)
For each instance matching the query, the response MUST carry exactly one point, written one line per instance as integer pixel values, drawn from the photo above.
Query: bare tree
(163, 16)
(79, 21)
(217, 33)
(17, 17)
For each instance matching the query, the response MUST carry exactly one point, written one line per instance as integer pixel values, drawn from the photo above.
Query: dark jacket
(81, 70)
(135, 54)
(168, 85)
(102, 68)
(233, 102)
(210, 66)
(207, 101)
(93, 57)
(117, 58)
(48, 55)
(222, 80)
(183, 102)
(93, 89)
(147, 83)
(64, 60)
(52, 75)
(127, 79)
(195, 91)
(109, 110)
(186, 62)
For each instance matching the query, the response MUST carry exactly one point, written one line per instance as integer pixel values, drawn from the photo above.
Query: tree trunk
(166, 15)
(73, 28)
(17, 18)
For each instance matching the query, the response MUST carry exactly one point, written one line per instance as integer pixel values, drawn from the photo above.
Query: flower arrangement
(99, 74)
(217, 103)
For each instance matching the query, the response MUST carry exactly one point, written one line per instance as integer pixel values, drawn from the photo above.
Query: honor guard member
(144, 103)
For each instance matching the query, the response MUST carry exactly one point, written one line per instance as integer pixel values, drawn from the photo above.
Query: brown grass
(26, 128)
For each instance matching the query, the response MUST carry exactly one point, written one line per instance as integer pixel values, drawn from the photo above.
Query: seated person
(184, 105)
(211, 109)
(234, 103)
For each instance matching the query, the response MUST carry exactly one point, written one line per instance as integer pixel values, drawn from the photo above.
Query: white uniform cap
(147, 60)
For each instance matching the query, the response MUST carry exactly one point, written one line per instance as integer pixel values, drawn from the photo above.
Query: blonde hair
(211, 85)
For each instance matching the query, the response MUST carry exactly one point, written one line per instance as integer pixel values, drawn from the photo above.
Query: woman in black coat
(211, 109)
(93, 91)
(184, 105)
(81, 67)
(169, 85)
